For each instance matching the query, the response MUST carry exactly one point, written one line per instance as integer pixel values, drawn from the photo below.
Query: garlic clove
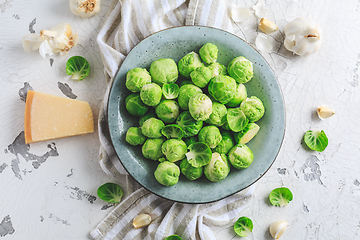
(267, 26)
(324, 112)
(85, 8)
(263, 43)
(142, 220)
(32, 42)
(259, 9)
(239, 14)
(278, 228)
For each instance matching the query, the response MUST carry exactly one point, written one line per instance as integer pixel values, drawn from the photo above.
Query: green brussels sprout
(280, 197)
(210, 135)
(245, 135)
(218, 167)
(185, 92)
(152, 148)
(190, 140)
(241, 156)
(253, 108)
(188, 124)
(170, 90)
(190, 172)
(209, 53)
(167, 173)
(174, 149)
(151, 113)
(243, 226)
(152, 128)
(167, 110)
(199, 154)
(236, 119)
(201, 76)
(151, 94)
(78, 67)
(200, 107)
(136, 78)
(316, 140)
(164, 70)
(222, 88)
(134, 136)
(173, 237)
(218, 114)
(189, 63)
(217, 69)
(226, 143)
(110, 192)
(135, 106)
(240, 95)
(172, 131)
(240, 69)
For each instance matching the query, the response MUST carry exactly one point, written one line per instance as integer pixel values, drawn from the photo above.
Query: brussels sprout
(174, 149)
(190, 140)
(151, 94)
(210, 135)
(173, 237)
(167, 110)
(245, 135)
(201, 76)
(226, 143)
(189, 63)
(218, 168)
(185, 92)
(241, 156)
(188, 124)
(199, 154)
(240, 69)
(280, 196)
(240, 95)
(253, 108)
(222, 88)
(110, 192)
(190, 172)
(236, 119)
(217, 69)
(208, 53)
(218, 114)
(167, 173)
(164, 70)
(170, 90)
(78, 67)
(243, 226)
(134, 136)
(200, 107)
(152, 128)
(172, 131)
(151, 113)
(136, 78)
(316, 140)
(135, 106)
(152, 148)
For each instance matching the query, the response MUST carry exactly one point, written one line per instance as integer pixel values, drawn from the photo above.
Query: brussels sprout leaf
(199, 155)
(243, 226)
(173, 237)
(316, 140)
(110, 192)
(280, 196)
(172, 131)
(170, 90)
(78, 67)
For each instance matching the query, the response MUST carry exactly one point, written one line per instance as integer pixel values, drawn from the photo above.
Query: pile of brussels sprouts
(198, 126)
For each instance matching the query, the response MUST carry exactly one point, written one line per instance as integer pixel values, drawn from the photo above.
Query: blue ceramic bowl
(175, 43)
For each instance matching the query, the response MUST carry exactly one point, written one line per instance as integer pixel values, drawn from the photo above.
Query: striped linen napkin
(127, 23)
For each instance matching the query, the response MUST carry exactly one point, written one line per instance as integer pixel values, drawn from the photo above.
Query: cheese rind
(50, 117)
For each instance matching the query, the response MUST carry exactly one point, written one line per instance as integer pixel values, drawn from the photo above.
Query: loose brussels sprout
(218, 168)
(167, 110)
(201, 76)
(199, 154)
(200, 107)
(208, 53)
(151, 94)
(185, 92)
(236, 119)
(173, 237)
(240, 69)
(134, 136)
(151, 113)
(190, 140)
(190, 172)
(226, 143)
(172, 131)
(241, 156)
(110, 192)
(167, 173)
(136, 78)
(245, 135)
(222, 88)
(210, 135)
(218, 114)
(253, 108)
(135, 106)
(189, 63)
(152, 128)
(174, 149)
(243, 226)
(217, 69)
(316, 140)
(170, 90)
(188, 124)
(240, 95)
(164, 70)
(78, 67)
(152, 148)
(280, 196)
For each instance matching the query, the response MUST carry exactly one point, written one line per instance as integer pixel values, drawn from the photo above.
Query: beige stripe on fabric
(212, 14)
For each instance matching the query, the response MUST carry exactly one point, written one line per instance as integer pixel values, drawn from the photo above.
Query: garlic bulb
(302, 36)
(142, 220)
(267, 26)
(324, 112)
(85, 8)
(278, 228)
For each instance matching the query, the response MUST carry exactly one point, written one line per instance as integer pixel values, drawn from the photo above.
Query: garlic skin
(324, 112)
(142, 220)
(85, 8)
(267, 26)
(259, 9)
(263, 43)
(240, 14)
(302, 36)
(278, 228)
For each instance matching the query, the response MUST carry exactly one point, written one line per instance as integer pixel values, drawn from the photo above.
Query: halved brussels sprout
(151, 94)
(316, 140)
(152, 148)
(172, 131)
(185, 92)
(199, 154)
(188, 124)
(200, 107)
(218, 167)
(136, 78)
(236, 119)
(167, 173)
(170, 90)
(167, 110)
(190, 172)
(135, 106)
(240, 95)
(253, 108)
(210, 135)
(152, 128)
(218, 114)
(174, 149)
(134, 136)
(217, 69)
(209, 53)
(222, 88)
(245, 135)
(201, 76)
(243, 226)
(189, 63)
(241, 156)
(226, 143)
(240, 69)
(164, 70)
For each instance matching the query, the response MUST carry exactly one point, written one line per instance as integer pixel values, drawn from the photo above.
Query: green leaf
(172, 131)
(243, 226)
(78, 67)
(316, 140)
(173, 237)
(236, 119)
(110, 192)
(170, 90)
(280, 196)
(199, 155)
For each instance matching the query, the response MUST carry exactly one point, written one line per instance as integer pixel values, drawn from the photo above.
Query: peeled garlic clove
(260, 10)
(85, 8)
(142, 220)
(239, 14)
(278, 228)
(263, 43)
(324, 112)
(32, 42)
(267, 26)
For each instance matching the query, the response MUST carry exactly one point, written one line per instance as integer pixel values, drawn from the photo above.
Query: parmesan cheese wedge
(50, 117)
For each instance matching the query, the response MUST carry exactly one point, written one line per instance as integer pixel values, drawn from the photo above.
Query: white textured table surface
(48, 189)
